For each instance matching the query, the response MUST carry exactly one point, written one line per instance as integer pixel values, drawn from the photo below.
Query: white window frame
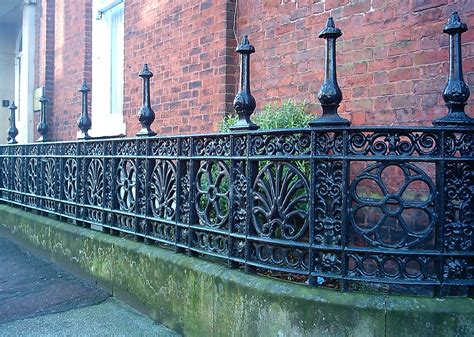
(107, 83)
(25, 73)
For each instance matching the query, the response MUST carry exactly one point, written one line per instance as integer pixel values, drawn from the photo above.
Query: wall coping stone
(202, 298)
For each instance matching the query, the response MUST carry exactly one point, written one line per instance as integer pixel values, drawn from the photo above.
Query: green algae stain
(199, 298)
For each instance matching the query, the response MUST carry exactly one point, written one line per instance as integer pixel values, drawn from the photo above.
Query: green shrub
(275, 116)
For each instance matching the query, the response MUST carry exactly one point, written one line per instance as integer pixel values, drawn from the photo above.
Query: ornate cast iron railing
(379, 207)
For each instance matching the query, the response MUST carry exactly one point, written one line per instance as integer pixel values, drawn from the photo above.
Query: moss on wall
(200, 298)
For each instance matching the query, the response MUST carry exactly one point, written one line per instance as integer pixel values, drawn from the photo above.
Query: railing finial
(330, 94)
(12, 130)
(244, 102)
(146, 115)
(84, 122)
(456, 91)
(42, 127)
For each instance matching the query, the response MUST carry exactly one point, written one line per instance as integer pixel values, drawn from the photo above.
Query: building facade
(18, 64)
(392, 59)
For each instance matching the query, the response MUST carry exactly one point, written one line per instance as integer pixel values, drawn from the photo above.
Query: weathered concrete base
(200, 298)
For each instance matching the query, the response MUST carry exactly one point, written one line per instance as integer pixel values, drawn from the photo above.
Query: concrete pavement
(37, 298)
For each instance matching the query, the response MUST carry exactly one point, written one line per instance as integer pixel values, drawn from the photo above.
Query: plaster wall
(8, 34)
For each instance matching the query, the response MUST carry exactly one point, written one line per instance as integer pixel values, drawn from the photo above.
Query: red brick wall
(44, 76)
(189, 46)
(392, 57)
(64, 61)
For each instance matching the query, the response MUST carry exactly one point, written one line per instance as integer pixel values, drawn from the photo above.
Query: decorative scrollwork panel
(239, 146)
(164, 147)
(185, 147)
(457, 268)
(94, 215)
(212, 146)
(328, 203)
(238, 248)
(287, 257)
(328, 143)
(70, 179)
(240, 185)
(163, 231)
(49, 177)
(126, 148)
(18, 175)
(32, 182)
(459, 207)
(50, 182)
(281, 145)
(459, 144)
(392, 267)
(124, 222)
(5, 173)
(281, 202)
(94, 149)
(185, 188)
(328, 263)
(126, 181)
(212, 197)
(393, 206)
(163, 190)
(394, 143)
(108, 183)
(141, 176)
(70, 149)
(210, 242)
(95, 182)
(183, 236)
(32, 173)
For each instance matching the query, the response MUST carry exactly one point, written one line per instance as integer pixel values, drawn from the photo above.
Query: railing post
(146, 115)
(42, 127)
(330, 94)
(12, 130)
(456, 91)
(244, 102)
(84, 122)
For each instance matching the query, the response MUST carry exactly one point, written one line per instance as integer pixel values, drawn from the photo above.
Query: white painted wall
(27, 79)
(8, 34)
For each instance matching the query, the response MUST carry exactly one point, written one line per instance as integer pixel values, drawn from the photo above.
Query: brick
(388, 50)
(401, 74)
(421, 5)
(356, 7)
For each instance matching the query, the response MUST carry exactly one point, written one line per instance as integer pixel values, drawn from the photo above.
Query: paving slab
(38, 298)
(30, 286)
(109, 318)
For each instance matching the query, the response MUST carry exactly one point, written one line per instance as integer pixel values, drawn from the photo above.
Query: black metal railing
(389, 208)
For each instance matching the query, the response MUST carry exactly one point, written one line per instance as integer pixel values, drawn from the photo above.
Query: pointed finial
(455, 25)
(42, 127)
(330, 94)
(456, 92)
(84, 122)
(146, 115)
(12, 130)
(244, 102)
(84, 87)
(145, 72)
(245, 47)
(330, 30)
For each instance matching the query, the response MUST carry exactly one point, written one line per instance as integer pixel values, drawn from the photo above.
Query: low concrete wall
(201, 298)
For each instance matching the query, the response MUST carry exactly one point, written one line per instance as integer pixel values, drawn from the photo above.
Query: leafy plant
(275, 116)
(287, 115)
